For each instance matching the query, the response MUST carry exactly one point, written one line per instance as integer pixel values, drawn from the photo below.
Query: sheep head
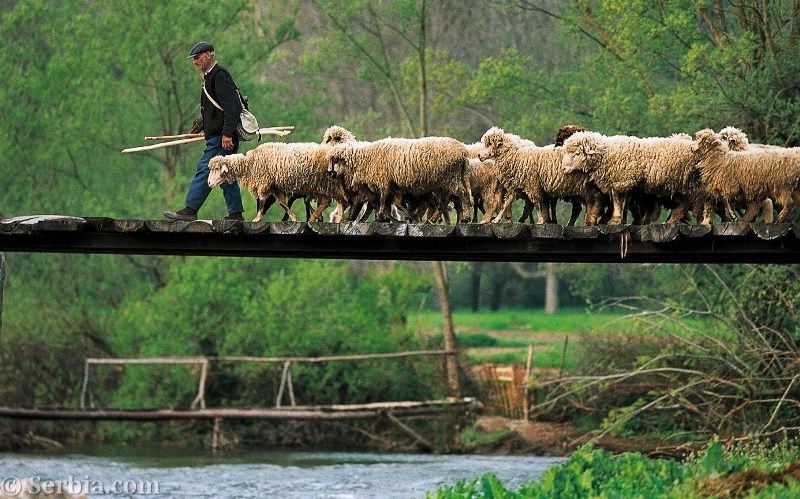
(707, 142)
(337, 135)
(493, 142)
(582, 152)
(566, 132)
(737, 140)
(221, 169)
(337, 159)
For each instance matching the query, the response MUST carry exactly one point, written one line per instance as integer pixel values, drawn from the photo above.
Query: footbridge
(674, 243)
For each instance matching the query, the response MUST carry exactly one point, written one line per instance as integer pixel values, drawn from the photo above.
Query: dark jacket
(221, 87)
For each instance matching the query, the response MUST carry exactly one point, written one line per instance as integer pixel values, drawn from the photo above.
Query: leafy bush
(760, 470)
(263, 308)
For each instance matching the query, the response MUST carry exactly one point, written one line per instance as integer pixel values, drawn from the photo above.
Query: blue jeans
(198, 188)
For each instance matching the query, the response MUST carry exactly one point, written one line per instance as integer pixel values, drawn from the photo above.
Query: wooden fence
(203, 363)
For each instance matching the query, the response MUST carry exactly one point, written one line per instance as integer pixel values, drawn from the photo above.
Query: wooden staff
(163, 144)
(192, 135)
(279, 131)
(173, 137)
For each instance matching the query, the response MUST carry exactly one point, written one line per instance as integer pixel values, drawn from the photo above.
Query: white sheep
(536, 173)
(281, 170)
(737, 141)
(485, 183)
(752, 175)
(405, 171)
(664, 167)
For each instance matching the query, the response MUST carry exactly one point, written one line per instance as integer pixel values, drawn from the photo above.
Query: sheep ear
(224, 168)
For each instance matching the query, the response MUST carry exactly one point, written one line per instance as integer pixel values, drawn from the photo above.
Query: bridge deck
(720, 243)
(329, 412)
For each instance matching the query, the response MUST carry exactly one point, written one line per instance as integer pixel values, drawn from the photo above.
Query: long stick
(172, 137)
(163, 144)
(190, 135)
(279, 131)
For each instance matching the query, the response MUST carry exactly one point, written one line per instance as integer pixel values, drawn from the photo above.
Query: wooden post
(563, 357)
(418, 439)
(2, 284)
(289, 385)
(551, 289)
(283, 383)
(450, 342)
(201, 386)
(528, 363)
(85, 383)
(215, 436)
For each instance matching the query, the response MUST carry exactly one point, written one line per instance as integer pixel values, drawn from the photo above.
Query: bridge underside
(678, 243)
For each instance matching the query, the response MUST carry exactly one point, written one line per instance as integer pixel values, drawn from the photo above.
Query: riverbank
(487, 435)
(544, 438)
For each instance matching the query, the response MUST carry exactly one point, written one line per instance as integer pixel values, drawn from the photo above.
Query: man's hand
(227, 143)
(197, 125)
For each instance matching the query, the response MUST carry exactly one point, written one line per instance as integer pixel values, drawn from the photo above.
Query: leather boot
(186, 214)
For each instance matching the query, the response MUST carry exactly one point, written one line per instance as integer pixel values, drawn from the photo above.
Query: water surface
(178, 474)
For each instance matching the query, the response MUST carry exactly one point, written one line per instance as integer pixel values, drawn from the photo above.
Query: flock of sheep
(607, 177)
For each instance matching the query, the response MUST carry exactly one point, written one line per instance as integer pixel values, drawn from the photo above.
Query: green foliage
(472, 437)
(594, 473)
(273, 308)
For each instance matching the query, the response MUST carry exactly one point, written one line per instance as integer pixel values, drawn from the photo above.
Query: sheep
(281, 169)
(333, 135)
(620, 165)
(405, 170)
(566, 132)
(485, 184)
(536, 172)
(337, 135)
(737, 141)
(753, 175)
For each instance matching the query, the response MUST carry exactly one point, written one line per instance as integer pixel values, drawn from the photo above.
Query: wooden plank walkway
(306, 413)
(678, 243)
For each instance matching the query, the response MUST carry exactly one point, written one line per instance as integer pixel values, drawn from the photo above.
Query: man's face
(203, 61)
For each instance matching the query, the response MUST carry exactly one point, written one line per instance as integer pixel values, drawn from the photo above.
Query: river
(178, 474)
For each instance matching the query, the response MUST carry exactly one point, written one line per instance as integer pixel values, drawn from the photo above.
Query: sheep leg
(263, 202)
(618, 199)
(527, 212)
(574, 214)
(787, 208)
(477, 204)
(708, 212)
(491, 207)
(680, 211)
(593, 212)
(752, 210)
(322, 203)
(510, 197)
(337, 215)
(553, 207)
(282, 201)
(767, 209)
(729, 209)
(542, 210)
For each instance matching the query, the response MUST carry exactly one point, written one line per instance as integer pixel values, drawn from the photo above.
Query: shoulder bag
(247, 128)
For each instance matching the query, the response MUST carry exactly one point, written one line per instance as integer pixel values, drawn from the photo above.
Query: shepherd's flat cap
(199, 48)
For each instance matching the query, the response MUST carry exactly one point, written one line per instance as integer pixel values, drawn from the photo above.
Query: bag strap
(211, 98)
(215, 102)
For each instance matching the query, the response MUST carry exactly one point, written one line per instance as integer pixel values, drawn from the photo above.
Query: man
(219, 129)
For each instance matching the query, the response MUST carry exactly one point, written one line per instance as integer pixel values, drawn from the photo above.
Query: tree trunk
(550, 290)
(496, 296)
(450, 342)
(2, 283)
(475, 286)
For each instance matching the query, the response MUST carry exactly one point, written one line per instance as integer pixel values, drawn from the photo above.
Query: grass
(502, 337)
(527, 321)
